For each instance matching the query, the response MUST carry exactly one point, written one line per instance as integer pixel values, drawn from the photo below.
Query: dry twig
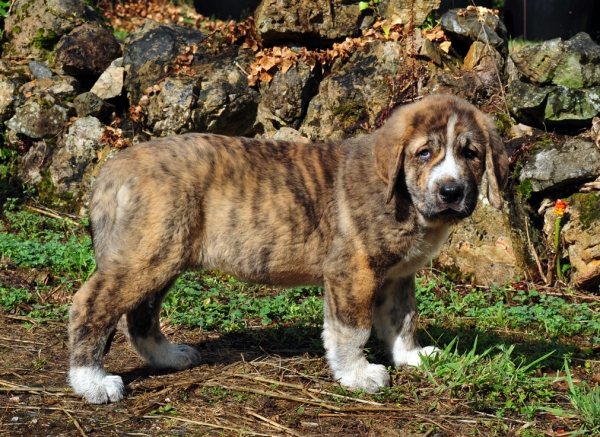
(274, 424)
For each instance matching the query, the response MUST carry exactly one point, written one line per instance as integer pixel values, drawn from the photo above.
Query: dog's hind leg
(143, 328)
(97, 308)
(395, 319)
(94, 315)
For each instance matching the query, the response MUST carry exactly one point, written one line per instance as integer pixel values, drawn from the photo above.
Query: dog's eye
(469, 153)
(424, 154)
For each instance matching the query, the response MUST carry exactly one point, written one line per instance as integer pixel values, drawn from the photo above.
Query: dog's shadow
(287, 342)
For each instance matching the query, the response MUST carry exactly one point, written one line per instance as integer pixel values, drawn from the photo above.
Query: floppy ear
(496, 166)
(388, 150)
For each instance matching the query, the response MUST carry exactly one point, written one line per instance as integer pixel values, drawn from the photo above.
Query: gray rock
(467, 85)
(580, 238)
(80, 148)
(527, 102)
(290, 134)
(110, 82)
(571, 163)
(89, 104)
(287, 95)
(572, 107)
(352, 97)
(553, 105)
(537, 62)
(407, 9)
(314, 22)
(64, 88)
(149, 49)
(226, 104)
(170, 110)
(34, 27)
(34, 162)
(574, 63)
(467, 28)
(39, 70)
(40, 117)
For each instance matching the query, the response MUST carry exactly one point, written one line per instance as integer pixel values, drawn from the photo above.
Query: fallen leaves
(438, 35)
(268, 61)
(113, 137)
(480, 11)
(182, 64)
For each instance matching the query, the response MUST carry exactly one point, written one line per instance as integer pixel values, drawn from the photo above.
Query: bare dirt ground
(246, 386)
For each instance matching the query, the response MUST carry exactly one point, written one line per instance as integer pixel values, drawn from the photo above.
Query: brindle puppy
(358, 217)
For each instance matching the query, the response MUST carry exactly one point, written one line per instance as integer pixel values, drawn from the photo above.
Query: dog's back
(268, 205)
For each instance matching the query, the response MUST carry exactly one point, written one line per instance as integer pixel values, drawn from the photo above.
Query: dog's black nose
(451, 192)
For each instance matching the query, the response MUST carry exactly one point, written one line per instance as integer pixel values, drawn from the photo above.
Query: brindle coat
(359, 217)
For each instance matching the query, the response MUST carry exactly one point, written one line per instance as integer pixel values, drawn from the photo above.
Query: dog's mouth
(458, 210)
(452, 210)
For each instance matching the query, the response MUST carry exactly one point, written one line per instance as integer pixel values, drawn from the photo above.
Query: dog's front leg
(395, 319)
(346, 329)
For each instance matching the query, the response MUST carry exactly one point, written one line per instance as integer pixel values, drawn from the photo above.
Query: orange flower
(559, 207)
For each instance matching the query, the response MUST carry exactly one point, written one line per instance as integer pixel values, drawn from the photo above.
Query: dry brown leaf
(445, 46)
(267, 62)
(265, 76)
(286, 64)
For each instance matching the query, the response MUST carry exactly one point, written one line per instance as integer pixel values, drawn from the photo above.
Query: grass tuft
(493, 380)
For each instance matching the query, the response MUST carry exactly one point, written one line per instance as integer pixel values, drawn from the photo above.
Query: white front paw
(368, 377)
(413, 357)
(96, 386)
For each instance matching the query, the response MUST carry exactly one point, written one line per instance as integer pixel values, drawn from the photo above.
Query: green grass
(220, 302)
(59, 246)
(505, 308)
(493, 381)
(586, 401)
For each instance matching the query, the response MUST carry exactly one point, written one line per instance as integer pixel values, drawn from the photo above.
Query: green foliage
(493, 382)
(4, 5)
(588, 205)
(586, 401)
(506, 308)
(225, 304)
(45, 39)
(363, 5)
(525, 189)
(120, 34)
(429, 23)
(53, 244)
(11, 298)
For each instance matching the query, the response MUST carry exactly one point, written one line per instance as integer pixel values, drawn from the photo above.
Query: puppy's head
(440, 147)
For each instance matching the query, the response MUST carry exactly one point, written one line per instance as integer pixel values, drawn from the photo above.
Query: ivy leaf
(363, 5)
